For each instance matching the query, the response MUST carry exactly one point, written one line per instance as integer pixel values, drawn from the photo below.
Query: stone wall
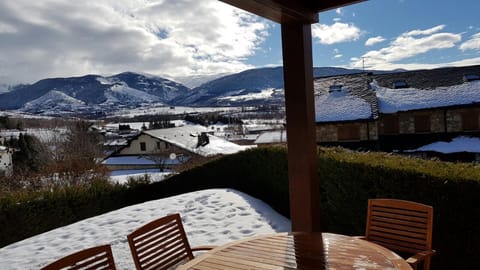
(367, 131)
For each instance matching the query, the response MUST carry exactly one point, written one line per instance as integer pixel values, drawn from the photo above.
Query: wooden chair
(99, 257)
(161, 244)
(402, 226)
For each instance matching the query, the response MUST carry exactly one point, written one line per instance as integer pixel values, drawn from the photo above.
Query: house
(6, 161)
(170, 147)
(346, 110)
(398, 111)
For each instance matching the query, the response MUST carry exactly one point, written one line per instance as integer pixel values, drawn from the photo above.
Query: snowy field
(172, 110)
(210, 217)
(122, 176)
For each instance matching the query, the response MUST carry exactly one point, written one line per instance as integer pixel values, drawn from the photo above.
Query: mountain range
(102, 95)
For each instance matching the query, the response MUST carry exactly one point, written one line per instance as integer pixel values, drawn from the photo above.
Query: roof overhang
(284, 11)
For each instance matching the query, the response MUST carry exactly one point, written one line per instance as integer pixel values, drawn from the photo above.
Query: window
(143, 146)
(422, 123)
(470, 120)
(159, 145)
(348, 132)
(390, 124)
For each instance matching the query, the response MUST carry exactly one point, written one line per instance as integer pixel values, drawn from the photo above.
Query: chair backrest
(160, 244)
(400, 225)
(98, 258)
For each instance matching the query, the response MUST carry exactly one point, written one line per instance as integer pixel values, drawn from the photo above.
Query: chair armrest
(420, 256)
(200, 248)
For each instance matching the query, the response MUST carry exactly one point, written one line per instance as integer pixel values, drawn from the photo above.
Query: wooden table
(299, 251)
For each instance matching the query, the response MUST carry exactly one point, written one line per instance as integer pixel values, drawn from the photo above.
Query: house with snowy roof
(170, 146)
(402, 110)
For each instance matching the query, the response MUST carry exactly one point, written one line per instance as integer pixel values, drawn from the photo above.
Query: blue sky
(442, 27)
(183, 38)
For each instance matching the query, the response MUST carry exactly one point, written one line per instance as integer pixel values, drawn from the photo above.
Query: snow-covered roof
(344, 98)
(397, 100)
(278, 136)
(185, 137)
(426, 89)
(341, 106)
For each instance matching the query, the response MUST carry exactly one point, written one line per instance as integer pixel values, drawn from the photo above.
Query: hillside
(98, 95)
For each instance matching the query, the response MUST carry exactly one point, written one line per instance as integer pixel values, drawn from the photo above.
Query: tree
(78, 154)
(32, 155)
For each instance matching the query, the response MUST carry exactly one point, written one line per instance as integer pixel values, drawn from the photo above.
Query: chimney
(202, 139)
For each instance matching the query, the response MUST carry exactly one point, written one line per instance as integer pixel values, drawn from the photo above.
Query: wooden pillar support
(301, 134)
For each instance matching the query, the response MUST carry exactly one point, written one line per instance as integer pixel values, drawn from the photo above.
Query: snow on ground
(172, 110)
(122, 176)
(210, 217)
(265, 93)
(395, 100)
(278, 136)
(458, 144)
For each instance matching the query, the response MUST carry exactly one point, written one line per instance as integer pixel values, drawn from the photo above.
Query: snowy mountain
(197, 80)
(250, 87)
(99, 95)
(91, 93)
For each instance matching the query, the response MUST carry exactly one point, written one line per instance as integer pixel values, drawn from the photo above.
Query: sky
(178, 38)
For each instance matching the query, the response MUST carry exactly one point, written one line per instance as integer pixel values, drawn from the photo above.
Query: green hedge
(348, 180)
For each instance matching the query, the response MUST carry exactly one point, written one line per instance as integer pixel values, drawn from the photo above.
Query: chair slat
(147, 236)
(401, 211)
(161, 242)
(159, 252)
(398, 216)
(99, 257)
(422, 226)
(160, 262)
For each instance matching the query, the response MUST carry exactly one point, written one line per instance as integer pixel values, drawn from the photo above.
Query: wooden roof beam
(280, 11)
(326, 5)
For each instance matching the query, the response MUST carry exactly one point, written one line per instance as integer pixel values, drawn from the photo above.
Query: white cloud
(424, 32)
(335, 33)
(339, 11)
(374, 40)
(65, 38)
(408, 45)
(471, 44)
(338, 56)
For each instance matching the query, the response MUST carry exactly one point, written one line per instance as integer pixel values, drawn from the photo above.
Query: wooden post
(301, 133)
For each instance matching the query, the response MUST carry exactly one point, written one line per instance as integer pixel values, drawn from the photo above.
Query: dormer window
(335, 88)
(471, 77)
(399, 84)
